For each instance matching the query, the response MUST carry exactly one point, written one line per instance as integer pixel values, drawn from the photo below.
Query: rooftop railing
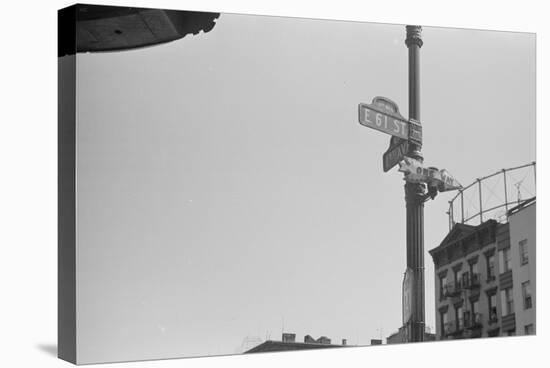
(491, 196)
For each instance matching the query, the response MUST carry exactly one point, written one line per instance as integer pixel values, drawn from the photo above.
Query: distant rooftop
(289, 343)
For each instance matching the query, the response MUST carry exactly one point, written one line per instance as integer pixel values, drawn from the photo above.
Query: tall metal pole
(415, 195)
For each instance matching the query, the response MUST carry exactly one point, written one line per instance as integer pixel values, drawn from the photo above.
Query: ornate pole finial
(414, 36)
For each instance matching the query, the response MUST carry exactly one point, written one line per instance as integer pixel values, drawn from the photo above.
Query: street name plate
(448, 182)
(395, 154)
(415, 172)
(415, 132)
(375, 117)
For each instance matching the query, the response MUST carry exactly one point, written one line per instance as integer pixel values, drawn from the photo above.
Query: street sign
(415, 132)
(448, 182)
(407, 295)
(394, 154)
(383, 115)
(386, 104)
(415, 172)
(377, 117)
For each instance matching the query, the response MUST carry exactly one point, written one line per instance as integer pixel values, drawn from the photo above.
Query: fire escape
(468, 324)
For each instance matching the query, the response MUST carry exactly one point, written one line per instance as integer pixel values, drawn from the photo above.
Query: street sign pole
(421, 183)
(415, 196)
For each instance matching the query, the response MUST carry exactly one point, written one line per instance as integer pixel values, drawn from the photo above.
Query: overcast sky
(225, 186)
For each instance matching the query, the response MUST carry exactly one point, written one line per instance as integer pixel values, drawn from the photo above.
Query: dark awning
(93, 28)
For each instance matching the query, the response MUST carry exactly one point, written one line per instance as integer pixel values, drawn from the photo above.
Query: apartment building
(485, 277)
(521, 220)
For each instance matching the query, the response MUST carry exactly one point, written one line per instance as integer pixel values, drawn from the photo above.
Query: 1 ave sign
(395, 154)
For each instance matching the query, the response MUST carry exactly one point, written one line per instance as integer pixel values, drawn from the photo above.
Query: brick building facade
(485, 277)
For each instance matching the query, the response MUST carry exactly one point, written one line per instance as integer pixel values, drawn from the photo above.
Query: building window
(444, 321)
(471, 279)
(523, 253)
(526, 291)
(459, 315)
(473, 269)
(457, 278)
(475, 307)
(493, 317)
(529, 329)
(442, 286)
(455, 275)
(475, 316)
(507, 300)
(491, 267)
(505, 260)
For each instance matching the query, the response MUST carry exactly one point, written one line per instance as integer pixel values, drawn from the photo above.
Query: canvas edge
(66, 252)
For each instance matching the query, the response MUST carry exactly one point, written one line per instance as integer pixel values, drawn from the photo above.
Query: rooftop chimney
(289, 337)
(309, 340)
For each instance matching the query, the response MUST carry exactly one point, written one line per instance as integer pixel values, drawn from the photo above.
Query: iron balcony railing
(449, 328)
(472, 320)
(453, 327)
(491, 197)
(470, 280)
(493, 316)
(452, 289)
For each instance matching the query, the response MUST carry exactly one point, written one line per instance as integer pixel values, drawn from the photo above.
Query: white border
(28, 186)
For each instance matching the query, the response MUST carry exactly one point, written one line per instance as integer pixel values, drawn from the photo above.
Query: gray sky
(225, 184)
